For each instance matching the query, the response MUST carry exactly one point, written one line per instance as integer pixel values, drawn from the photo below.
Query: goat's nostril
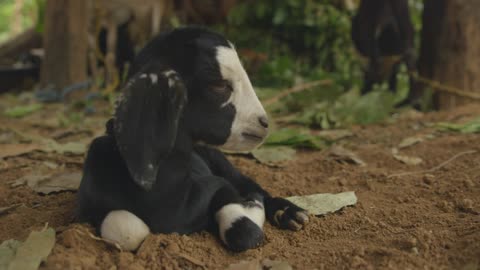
(263, 121)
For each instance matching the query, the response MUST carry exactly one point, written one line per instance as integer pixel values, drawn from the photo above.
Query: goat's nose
(263, 121)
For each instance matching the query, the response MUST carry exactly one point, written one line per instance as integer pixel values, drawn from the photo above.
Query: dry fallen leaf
(46, 184)
(76, 148)
(266, 264)
(7, 252)
(245, 265)
(410, 141)
(274, 156)
(16, 149)
(276, 265)
(34, 250)
(343, 155)
(4, 210)
(406, 159)
(324, 203)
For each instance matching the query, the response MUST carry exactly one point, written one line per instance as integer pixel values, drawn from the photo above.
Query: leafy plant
(308, 40)
(298, 36)
(472, 126)
(296, 138)
(30, 13)
(21, 111)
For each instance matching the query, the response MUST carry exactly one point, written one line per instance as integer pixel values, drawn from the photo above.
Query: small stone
(429, 179)
(445, 206)
(276, 265)
(173, 248)
(415, 250)
(411, 243)
(342, 182)
(245, 265)
(468, 183)
(465, 205)
(358, 262)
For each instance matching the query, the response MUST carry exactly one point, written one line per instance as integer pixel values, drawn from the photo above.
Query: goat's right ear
(146, 121)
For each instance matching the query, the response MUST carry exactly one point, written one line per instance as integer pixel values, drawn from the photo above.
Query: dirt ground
(426, 220)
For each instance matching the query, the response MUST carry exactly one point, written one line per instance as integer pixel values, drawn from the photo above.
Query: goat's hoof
(244, 234)
(287, 215)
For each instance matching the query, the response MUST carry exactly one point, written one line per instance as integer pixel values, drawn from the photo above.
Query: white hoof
(125, 229)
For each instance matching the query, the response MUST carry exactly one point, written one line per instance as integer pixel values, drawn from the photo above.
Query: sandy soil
(418, 221)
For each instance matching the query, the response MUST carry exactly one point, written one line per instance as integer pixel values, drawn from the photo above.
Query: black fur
(244, 235)
(381, 29)
(153, 161)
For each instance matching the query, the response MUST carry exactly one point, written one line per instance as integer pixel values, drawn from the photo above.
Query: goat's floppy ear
(146, 121)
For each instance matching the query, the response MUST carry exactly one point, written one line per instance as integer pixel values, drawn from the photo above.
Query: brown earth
(418, 221)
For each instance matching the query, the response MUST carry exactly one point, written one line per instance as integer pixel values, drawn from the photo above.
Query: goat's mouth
(252, 136)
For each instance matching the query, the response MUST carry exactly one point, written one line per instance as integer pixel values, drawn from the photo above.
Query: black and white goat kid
(158, 168)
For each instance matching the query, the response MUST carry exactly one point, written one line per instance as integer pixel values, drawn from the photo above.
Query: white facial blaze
(244, 99)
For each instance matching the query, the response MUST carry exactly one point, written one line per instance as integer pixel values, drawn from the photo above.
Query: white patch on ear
(247, 105)
(153, 78)
(124, 228)
(171, 76)
(230, 213)
(169, 73)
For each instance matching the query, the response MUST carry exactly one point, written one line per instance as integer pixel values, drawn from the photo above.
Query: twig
(191, 259)
(437, 86)
(441, 165)
(6, 210)
(89, 234)
(295, 89)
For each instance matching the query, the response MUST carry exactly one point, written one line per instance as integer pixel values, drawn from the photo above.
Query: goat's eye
(223, 87)
(228, 86)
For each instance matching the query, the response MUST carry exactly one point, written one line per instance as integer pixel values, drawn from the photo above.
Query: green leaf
(295, 138)
(274, 156)
(469, 127)
(75, 148)
(280, 16)
(21, 111)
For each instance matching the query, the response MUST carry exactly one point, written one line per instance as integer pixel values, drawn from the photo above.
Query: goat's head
(189, 83)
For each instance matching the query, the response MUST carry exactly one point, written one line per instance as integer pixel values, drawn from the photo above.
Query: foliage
(299, 37)
(296, 138)
(21, 111)
(28, 15)
(284, 43)
(472, 126)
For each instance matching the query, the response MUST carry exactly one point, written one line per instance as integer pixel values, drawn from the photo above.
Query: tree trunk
(65, 43)
(450, 52)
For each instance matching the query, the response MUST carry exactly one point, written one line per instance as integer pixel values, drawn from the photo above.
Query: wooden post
(65, 42)
(450, 51)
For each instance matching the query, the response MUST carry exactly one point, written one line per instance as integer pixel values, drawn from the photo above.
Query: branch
(441, 165)
(295, 89)
(437, 86)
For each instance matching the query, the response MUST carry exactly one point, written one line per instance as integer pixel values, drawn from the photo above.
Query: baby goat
(158, 168)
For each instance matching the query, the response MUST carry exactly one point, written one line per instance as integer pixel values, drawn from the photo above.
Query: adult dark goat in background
(383, 33)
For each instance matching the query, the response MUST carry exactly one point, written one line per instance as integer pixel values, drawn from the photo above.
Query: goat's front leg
(279, 211)
(238, 219)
